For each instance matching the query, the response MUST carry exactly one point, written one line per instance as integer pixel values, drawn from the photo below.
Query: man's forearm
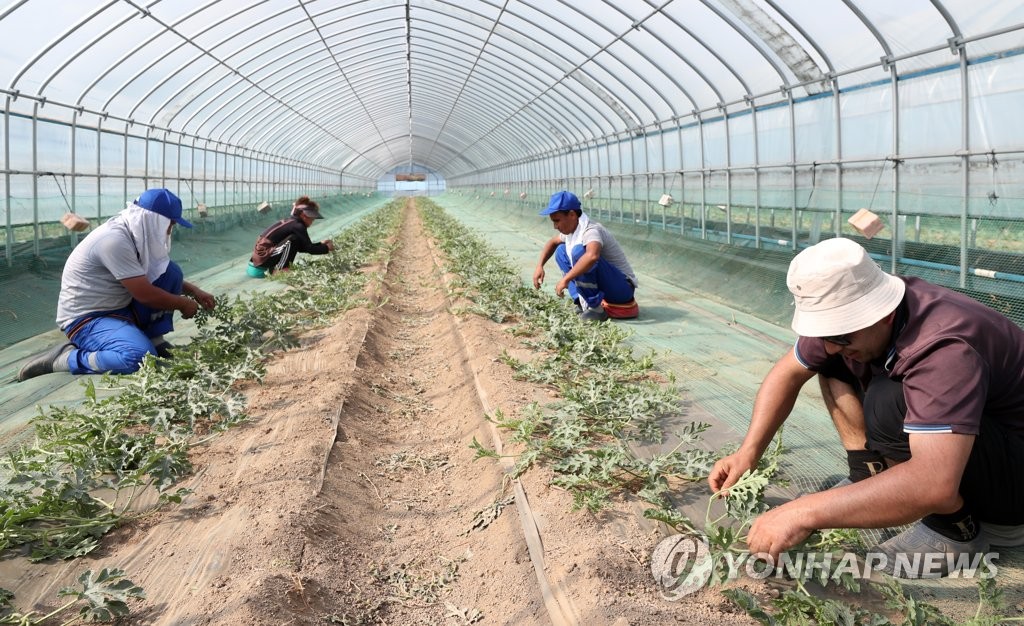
(773, 404)
(549, 249)
(899, 495)
(927, 483)
(163, 300)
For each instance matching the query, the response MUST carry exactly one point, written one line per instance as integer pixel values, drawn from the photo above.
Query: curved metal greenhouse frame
(758, 122)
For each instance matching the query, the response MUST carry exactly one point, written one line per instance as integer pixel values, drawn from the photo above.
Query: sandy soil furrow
(401, 525)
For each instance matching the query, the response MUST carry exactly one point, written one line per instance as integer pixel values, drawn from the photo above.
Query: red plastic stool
(625, 311)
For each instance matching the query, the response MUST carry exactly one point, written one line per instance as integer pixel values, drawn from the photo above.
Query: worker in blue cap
(594, 267)
(119, 291)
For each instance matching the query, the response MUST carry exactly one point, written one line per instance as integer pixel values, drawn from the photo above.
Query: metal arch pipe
(507, 120)
(271, 61)
(946, 15)
(511, 84)
(590, 59)
(698, 72)
(341, 70)
(478, 59)
(539, 43)
(870, 26)
(185, 40)
(242, 99)
(667, 75)
(281, 85)
(516, 112)
(251, 26)
(71, 58)
(529, 128)
(403, 135)
(796, 26)
(298, 114)
(399, 135)
(750, 40)
(99, 78)
(508, 142)
(242, 77)
(218, 96)
(555, 55)
(300, 137)
(525, 110)
(53, 43)
(272, 130)
(468, 74)
(244, 95)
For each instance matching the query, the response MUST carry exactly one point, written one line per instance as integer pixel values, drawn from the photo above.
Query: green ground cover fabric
(718, 318)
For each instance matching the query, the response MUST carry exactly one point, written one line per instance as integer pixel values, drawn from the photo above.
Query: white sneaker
(920, 552)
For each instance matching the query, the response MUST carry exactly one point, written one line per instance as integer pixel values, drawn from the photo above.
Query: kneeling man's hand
(561, 286)
(778, 530)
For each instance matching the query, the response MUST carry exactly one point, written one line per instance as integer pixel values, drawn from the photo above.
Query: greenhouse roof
(363, 87)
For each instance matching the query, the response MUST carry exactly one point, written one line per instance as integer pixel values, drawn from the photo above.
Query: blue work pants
(117, 341)
(604, 281)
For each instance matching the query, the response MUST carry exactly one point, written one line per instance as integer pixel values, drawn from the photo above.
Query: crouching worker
(594, 267)
(277, 246)
(925, 387)
(119, 291)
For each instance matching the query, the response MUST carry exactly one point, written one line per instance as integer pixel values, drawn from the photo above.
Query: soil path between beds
(352, 496)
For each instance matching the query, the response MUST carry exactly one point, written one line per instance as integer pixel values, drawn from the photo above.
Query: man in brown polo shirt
(926, 390)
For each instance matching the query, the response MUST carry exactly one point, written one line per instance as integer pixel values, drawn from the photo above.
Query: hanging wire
(878, 181)
(814, 186)
(61, 189)
(191, 191)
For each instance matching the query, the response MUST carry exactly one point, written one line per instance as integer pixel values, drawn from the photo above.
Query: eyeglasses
(839, 340)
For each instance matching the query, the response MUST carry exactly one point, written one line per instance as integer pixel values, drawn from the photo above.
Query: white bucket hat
(837, 289)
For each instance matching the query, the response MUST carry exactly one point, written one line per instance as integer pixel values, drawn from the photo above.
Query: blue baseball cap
(165, 203)
(562, 201)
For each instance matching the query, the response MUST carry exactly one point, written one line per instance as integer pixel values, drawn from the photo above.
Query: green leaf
(481, 451)
(106, 594)
(746, 601)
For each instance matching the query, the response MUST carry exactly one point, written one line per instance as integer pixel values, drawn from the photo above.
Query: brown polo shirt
(957, 359)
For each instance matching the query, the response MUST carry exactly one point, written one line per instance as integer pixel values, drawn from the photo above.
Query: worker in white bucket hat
(926, 389)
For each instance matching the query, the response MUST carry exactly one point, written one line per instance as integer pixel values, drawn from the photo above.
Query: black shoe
(594, 314)
(165, 350)
(42, 363)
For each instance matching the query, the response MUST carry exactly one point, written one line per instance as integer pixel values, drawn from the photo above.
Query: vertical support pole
(897, 234)
(703, 181)
(965, 163)
(622, 184)
(665, 184)
(9, 227)
(792, 162)
(73, 187)
(837, 110)
(682, 178)
(36, 233)
(205, 171)
(728, 175)
(124, 167)
(99, 168)
(757, 174)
